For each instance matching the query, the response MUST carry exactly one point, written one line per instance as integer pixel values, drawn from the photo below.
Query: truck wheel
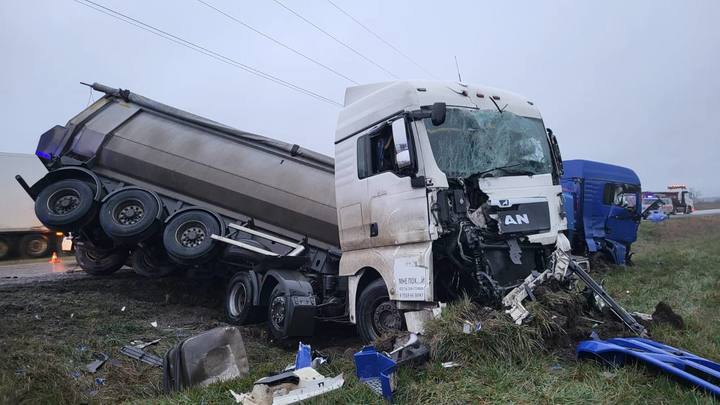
(239, 297)
(187, 236)
(100, 263)
(376, 314)
(66, 205)
(277, 312)
(34, 246)
(149, 262)
(4, 248)
(130, 216)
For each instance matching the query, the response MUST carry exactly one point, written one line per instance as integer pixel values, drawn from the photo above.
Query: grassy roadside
(677, 261)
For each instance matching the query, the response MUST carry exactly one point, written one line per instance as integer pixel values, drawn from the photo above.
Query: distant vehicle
(682, 198)
(666, 207)
(21, 233)
(603, 206)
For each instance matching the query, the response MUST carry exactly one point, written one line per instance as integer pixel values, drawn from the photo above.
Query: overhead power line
(334, 38)
(277, 42)
(205, 51)
(376, 35)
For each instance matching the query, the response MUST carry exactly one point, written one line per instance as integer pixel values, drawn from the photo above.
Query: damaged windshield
(489, 143)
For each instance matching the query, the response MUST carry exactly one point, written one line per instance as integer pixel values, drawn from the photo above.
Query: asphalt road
(31, 271)
(699, 213)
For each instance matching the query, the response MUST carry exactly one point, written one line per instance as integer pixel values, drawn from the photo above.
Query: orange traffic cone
(55, 259)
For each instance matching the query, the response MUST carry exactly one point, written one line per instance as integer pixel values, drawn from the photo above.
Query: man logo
(518, 220)
(504, 203)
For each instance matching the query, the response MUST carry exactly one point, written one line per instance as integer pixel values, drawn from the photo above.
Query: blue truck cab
(603, 207)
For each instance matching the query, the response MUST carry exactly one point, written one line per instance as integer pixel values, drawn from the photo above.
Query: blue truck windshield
(490, 143)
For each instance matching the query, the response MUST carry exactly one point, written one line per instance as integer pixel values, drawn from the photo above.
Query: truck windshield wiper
(506, 169)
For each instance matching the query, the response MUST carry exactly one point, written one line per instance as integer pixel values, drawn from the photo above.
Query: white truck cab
(442, 189)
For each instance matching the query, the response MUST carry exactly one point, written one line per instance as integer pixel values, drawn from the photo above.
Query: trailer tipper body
(437, 190)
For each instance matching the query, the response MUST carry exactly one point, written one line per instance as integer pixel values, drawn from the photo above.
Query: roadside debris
(450, 364)
(298, 382)
(665, 314)
(692, 369)
(212, 356)
(377, 371)
(141, 345)
(154, 324)
(139, 354)
(100, 359)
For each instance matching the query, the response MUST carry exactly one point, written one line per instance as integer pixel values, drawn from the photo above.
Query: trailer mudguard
(69, 172)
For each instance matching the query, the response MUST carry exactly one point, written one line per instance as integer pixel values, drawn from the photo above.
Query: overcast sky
(635, 83)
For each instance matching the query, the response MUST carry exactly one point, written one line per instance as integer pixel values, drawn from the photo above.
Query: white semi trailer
(21, 234)
(437, 190)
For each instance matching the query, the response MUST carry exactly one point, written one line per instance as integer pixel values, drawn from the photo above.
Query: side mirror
(402, 148)
(437, 116)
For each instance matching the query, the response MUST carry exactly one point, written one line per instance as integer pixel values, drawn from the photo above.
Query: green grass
(677, 261)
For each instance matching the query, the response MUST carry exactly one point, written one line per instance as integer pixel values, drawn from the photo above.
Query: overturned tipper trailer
(438, 190)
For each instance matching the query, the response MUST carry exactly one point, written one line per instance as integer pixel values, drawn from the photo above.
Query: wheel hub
(238, 295)
(130, 213)
(277, 312)
(191, 235)
(64, 201)
(386, 318)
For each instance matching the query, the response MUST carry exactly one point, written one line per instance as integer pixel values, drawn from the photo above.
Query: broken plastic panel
(376, 370)
(687, 367)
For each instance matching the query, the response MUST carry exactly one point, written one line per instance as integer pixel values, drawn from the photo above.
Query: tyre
(4, 248)
(100, 263)
(187, 236)
(277, 312)
(239, 297)
(35, 245)
(130, 216)
(67, 205)
(376, 314)
(152, 262)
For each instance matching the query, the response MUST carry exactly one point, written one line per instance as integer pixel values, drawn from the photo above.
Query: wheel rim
(238, 295)
(386, 318)
(191, 234)
(277, 312)
(64, 201)
(129, 212)
(37, 246)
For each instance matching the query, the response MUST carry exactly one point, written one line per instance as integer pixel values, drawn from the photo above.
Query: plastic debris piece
(450, 364)
(303, 358)
(376, 370)
(93, 366)
(75, 374)
(141, 345)
(154, 324)
(289, 387)
(72, 315)
(122, 309)
(692, 369)
(100, 381)
(139, 354)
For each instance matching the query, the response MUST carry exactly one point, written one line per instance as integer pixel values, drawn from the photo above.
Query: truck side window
(376, 153)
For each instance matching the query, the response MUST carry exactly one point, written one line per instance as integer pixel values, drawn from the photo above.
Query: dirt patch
(664, 314)
(560, 318)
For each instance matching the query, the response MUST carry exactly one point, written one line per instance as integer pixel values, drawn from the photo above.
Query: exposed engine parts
(479, 260)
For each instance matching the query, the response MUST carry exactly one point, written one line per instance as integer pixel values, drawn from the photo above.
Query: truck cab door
(398, 207)
(623, 218)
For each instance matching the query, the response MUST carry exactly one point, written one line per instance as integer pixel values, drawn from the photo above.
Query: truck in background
(437, 190)
(603, 205)
(21, 233)
(683, 200)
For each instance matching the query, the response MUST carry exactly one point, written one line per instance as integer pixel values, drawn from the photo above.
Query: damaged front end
(484, 249)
